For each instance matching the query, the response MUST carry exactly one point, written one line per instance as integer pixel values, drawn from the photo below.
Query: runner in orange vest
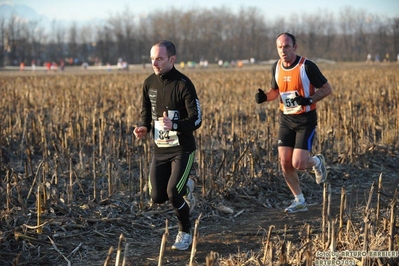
(300, 84)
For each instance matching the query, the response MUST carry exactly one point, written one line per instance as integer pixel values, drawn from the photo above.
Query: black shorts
(297, 131)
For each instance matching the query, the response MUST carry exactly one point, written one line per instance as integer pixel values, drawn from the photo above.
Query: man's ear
(172, 59)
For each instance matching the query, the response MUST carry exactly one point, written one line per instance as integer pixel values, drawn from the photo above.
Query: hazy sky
(78, 10)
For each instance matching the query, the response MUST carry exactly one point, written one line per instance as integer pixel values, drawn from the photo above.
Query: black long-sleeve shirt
(172, 91)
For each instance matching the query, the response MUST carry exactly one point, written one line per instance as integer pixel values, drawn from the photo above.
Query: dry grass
(67, 147)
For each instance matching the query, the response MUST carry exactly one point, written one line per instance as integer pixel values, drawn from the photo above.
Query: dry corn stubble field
(73, 186)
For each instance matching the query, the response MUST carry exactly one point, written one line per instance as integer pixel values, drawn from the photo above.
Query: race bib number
(165, 138)
(290, 106)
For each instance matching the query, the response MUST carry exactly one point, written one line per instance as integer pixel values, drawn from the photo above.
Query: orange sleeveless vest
(291, 82)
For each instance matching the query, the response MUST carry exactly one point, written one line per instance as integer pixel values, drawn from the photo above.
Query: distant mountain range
(28, 14)
(20, 11)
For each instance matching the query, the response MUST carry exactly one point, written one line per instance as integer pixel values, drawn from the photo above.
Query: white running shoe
(297, 206)
(190, 199)
(183, 241)
(321, 171)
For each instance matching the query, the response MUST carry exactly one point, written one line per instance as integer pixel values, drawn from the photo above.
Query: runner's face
(286, 49)
(161, 62)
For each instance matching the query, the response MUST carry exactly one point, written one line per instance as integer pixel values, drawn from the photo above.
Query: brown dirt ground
(84, 236)
(244, 235)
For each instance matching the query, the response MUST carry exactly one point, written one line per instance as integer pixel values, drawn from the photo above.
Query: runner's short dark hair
(170, 47)
(289, 35)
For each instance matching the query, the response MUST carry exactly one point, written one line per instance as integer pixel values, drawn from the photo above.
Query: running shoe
(183, 241)
(190, 199)
(297, 206)
(320, 171)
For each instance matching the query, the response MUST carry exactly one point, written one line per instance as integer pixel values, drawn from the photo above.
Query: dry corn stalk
(378, 208)
(211, 258)
(119, 251)
(107, 260)
(8, 192)
(195, 240)
(324, 215)
(267, 243)
(341, 213)
(39, 206)
(392, 221)
(309, 249)
(163, 244)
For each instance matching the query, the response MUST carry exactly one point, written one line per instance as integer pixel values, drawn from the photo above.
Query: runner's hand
(260, 97)
(167, 122)
(140, 132)
(300, 100)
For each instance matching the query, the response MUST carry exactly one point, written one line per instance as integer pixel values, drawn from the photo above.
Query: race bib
(165, 138)
(290, 106)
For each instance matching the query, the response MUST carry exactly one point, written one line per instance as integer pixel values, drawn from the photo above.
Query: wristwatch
(174, 126)
(310, 101)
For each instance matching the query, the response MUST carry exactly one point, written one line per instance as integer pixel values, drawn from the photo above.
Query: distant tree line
(211, 34)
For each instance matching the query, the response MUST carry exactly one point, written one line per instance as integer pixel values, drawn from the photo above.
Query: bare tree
(4, 45)
(123, 27)
(317, 34)
(219, 32)
(187, 35)
(73, 42)
(36, 40)
(355, 26)
(395, 33)
(211, 34)
(347, 26)
(60, 40)
(144, 40)
(86, 44)
(251, 35)
(104, 45)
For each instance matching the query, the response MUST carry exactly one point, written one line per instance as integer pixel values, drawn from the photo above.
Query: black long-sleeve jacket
(172, 91)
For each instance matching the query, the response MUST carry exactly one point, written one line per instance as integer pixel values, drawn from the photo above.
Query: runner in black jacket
(171, 109)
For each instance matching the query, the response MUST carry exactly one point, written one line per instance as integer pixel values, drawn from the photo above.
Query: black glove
(302, 100)
(260, 97)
